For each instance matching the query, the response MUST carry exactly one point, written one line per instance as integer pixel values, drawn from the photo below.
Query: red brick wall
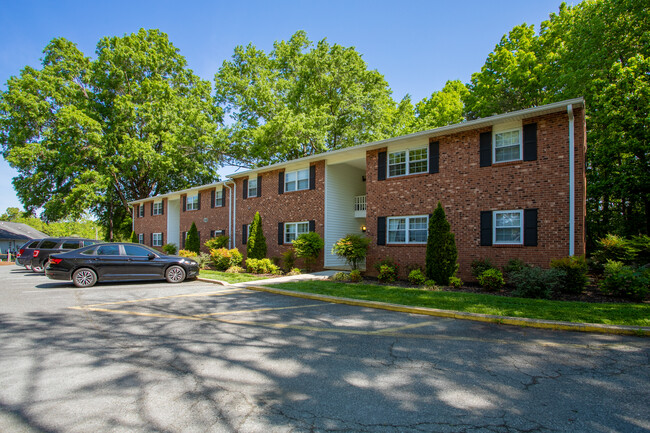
(151, 223)
(217, 218)
(292, 206)
(465, 189)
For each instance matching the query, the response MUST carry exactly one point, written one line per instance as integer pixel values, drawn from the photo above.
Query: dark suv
(47, 246)
(24, 256)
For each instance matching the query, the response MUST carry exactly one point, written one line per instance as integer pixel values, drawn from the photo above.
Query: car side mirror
(151, 256)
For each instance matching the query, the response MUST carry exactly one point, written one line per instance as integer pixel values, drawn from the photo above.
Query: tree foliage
(92, 135)
(301, 99)
(83, 227)
(308, 246)
(256, 245)
(441, 254)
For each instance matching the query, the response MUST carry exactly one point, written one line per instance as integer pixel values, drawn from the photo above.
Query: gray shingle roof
(18, 231)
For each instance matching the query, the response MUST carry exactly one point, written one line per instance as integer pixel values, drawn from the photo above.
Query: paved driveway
(197, 357)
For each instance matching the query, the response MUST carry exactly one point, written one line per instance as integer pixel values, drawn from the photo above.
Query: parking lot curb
(640, 331)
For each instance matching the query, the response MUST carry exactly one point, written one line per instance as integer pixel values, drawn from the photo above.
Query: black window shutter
(530, 227)
(212, 194)
(184, 203)
(244, 234)
(381, 230)
(312, 225)
(530, 142)
(211, 234)
(198, 198)
(486, 149)
(259, 186)
(151, 238)
(281, 182)
(162, 208)
(223, 196)
(183, 239)
(381, 166)
(162, 236)
(245, 188)
(312, 177)
(434, 157)
(151, 208)
(486, 228)
(280, 233)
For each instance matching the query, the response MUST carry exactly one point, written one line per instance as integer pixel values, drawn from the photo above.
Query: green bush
(441, 253)
(216, 243)
(535, 282)
(575, 269)
(256, 245)
(294, 271)
(416, 277)
(387, 274)
(340, 277)
(514, 265)
(431, 285)
(353, 248)
(192, 242)
(627, 281)
(642, 245)
(387, 261)
(308, 246)
(288, 259)
(261, 266)
(455, 282)
(481, 265)
(491, 279)
(223, 258)
(235, 270)
(170, 249)
(355, 276)
(186, 253)
(202, 259)
(615, 248)
(134, 238)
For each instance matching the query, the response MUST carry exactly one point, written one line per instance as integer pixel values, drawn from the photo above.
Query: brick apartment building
(512, 186)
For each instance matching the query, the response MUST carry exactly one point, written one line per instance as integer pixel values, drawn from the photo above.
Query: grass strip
(229, 278)
(577, 312)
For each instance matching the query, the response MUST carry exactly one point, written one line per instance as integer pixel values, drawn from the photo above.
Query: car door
(109, 262)
(140, 264)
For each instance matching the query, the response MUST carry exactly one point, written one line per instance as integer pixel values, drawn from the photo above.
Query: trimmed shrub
(353, 248)
(261, 266)
(223, 258)
(216, 243)
(491, 279)
(455, 282)
(535, 282)
(355, 276)
(308, 246)
(627, 281)
(481, 265)
(341, 277)
(170, 249)
(442, 254)
(431, 285)
(186, 253)
(256, 245)
(192, 241)
(416, 277)
(288, 259)
(387, 274)
(235, 270)
(389, 262)
(514, 265)
(575, 269)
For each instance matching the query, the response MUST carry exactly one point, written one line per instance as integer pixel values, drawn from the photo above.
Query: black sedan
(118, 261)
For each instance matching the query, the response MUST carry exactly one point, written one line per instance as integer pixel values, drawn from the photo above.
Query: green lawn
(229, 278)
(577, 312)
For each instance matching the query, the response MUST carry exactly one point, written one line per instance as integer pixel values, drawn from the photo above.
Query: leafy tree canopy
(83, 227)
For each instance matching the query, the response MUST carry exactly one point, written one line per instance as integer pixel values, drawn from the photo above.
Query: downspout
(231, 212)
(571, 182)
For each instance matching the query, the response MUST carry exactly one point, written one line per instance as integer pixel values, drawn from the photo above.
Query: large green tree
(92, 134)
(302, 99)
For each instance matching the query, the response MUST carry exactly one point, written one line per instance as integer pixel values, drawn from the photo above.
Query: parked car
(24, 256)
(47, 246)
(119, 261)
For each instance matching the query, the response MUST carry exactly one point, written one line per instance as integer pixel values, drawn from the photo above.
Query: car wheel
(38, 269)
(28, 267)
(84, 277)
(175, 274)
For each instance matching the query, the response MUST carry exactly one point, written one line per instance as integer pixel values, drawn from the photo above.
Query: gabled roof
(18, 231)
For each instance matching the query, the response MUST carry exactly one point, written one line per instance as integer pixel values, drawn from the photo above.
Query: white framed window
(293, 230)
(192, 202)
(296, 180)
(141, 211)
(508, 227)
(141, 238)
(408, 230)
(218, 198)
(506, 145)
(157, 239)
(252, 187)
(410, 161)
(157, 208)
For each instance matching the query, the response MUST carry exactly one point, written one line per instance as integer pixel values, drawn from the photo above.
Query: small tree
(308, 246)
(256, 245)
(441, 249)
(353, 248)
(192, 243)
(134, 238)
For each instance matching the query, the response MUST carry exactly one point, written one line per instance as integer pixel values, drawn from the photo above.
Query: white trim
(572, 192)
(407, 162)
(494, 145)
(153, 240)
(141, 238)
(158, 211)
(521, 227)
(195, 202)
(407, 227)
(284, 228)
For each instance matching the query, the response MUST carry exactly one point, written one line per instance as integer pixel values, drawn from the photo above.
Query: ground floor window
(408, 230)
(157, 240)
(293, 230)
(141, 238)
(508, 227)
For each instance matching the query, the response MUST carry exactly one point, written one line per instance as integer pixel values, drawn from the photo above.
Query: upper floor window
(293, 230)
(408, 162)
(408, 230)
(296, 180)
(141, 211)
(192, 202)
(252, 187)
(218, 198)
(507, 146)
(508, 227)
(158, 208)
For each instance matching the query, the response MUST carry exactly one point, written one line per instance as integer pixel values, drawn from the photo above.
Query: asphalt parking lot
(156, 357)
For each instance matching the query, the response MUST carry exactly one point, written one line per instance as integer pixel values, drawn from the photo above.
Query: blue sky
(416, 45)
